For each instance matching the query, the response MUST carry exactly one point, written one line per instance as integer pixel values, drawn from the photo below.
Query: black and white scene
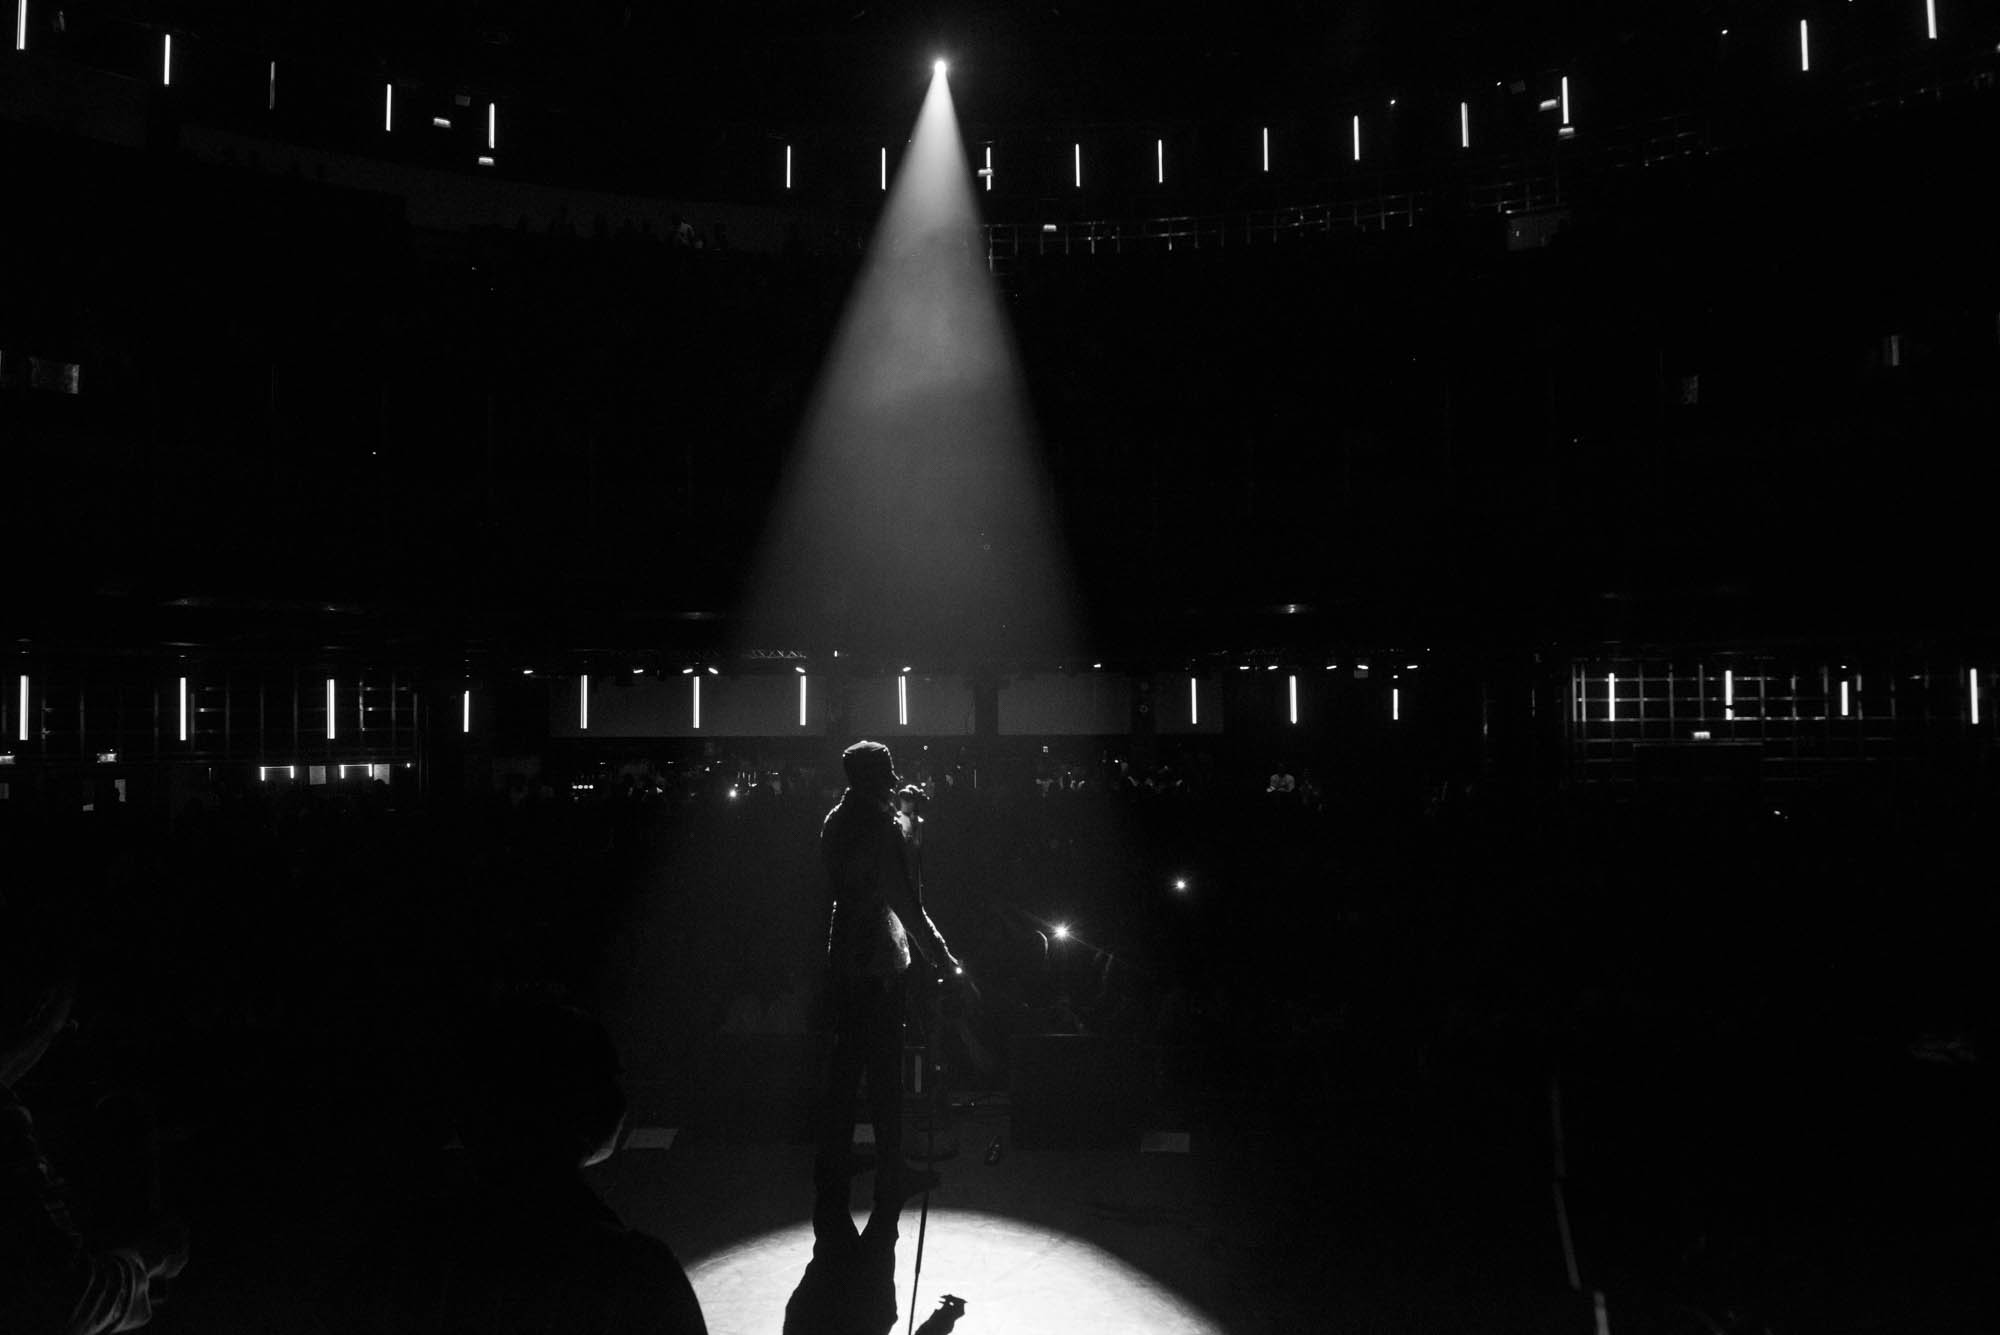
(1013, 667)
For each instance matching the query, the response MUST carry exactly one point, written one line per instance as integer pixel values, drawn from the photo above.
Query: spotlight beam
(913, 513)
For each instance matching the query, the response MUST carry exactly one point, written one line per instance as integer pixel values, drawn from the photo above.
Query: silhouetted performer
(876, 913)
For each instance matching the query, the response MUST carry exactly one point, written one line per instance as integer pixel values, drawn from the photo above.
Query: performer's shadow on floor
(849, 1287)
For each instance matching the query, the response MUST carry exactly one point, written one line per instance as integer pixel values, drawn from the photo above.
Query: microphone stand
(931, 1040)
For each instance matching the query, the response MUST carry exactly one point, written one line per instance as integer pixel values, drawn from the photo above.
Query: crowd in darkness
(286, 961)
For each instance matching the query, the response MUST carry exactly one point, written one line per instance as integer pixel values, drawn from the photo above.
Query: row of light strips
(181, 710)
(903, 700)
(1729, 695)
(1076, 150)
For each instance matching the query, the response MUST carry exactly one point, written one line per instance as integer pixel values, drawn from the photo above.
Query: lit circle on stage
(1016, 1279)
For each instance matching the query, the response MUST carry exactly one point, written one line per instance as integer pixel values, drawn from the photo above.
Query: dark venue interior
(1432, 563)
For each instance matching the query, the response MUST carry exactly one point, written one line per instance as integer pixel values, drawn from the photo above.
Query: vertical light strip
(697, 701)
(1805, 49)
(388, 108)
(1972, 679)
(583, 702)
(885, 169)
(903, 700)
(21, 719)
(1728, 693)
(1292, 696)
(1611, 697)
(1843, 699)
(802, 701)
(1357, 138)
(1464, 125)
(1858, 710)
(1930, 18)
(1267, 148)
(332, 720)
(184, 708)
(788, 166)
(1194, 702)
(465, 711)
(166, 60)
(492, 125)
(1076, 159)
(1565, 99)
(1395, 704)
(21, 32)
(989, 166)
(1159, 162)
(271, 92)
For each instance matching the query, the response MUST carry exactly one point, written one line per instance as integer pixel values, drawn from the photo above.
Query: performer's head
(870, 768)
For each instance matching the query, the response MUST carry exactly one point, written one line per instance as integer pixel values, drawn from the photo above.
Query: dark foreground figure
(55, 1280)
(514, 1241)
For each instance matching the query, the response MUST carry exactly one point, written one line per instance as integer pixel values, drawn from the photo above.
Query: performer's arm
(909, 906)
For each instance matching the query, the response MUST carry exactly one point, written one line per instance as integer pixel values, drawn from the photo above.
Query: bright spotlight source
(938, 68)
(1180, 884)
(1062, 931)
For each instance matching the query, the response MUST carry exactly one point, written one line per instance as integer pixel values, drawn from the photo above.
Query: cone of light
(913, 514)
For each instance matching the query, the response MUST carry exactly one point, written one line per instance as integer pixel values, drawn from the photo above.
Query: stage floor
(1052, 1242)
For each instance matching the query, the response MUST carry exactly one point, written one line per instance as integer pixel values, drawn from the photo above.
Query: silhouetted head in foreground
(541, 1094)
